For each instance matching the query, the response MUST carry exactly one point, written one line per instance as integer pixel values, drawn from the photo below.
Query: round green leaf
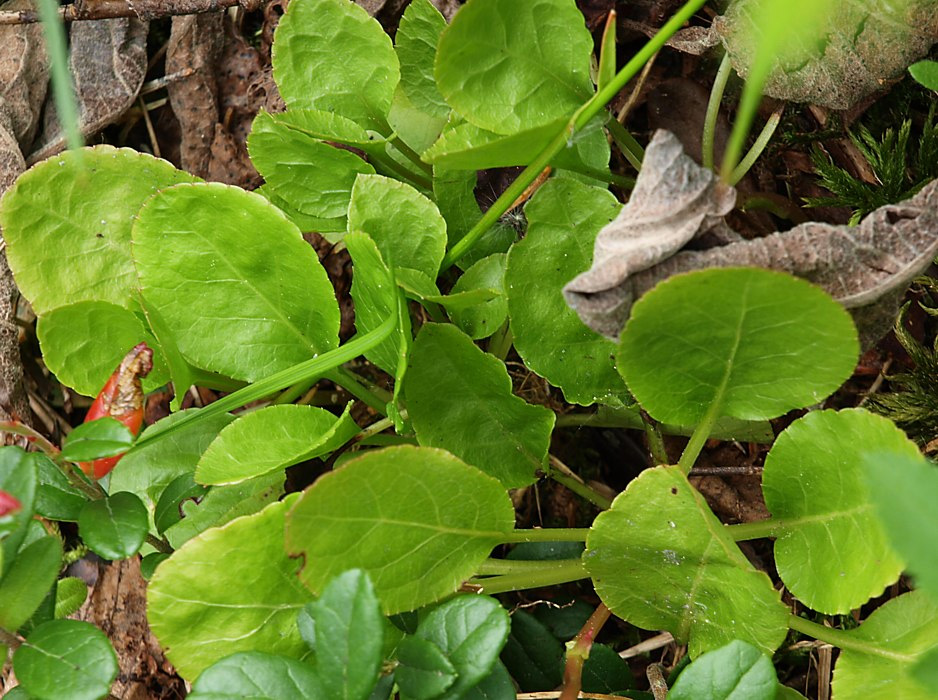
(417, 520)
(230, 589)
(103, 437)
(291, 434)
(737, 671)
(424, 672)
(330, 55)
(415, 42)
(66, 659)
(886, 647)
(239, 267)
(925, 73)
(27, 580)
(83, 343)
(114, 527)
(70, 594)
(255, 675)
(755, 342)
(82, 253)
(530, 63)
(459, 398)
(831, 550)
(563, 220)
(480, 320)
(660, 559)
(56, 497)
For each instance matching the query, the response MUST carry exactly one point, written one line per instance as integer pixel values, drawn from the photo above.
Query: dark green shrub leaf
(737, 671)
(70, 594)
(459, 398)
(754, 342)
(495, 686)
(18, 477)
(542, 45)
(480, 319)
(66, 660)
(27, 580)
(302, 432)
(114, 527)
(424, 671)
(231, 588)
(104, 437)
(532, 655)
(661, 537)
(563, 220)
(255, 675)
(97, 192)
(330, 55)
(417, 520)
(149, 563)
(267, 311)
(605, 671)
(831, 551)
(168, 509)
(415, 42)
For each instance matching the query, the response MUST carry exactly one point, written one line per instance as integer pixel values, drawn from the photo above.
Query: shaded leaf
(168, 509)
(605, 671)
(70, 595)
(27, 579)
(479, 319)
(424, 671)
(737, 671)
(256, 675)
(56, 498)
(532, 655)
(114, 527)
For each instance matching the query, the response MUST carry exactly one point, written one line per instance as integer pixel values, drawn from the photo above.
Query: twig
(659, 687)
(656, 642)
(145, 9)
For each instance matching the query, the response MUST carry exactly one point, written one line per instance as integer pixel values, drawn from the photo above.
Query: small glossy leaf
(56, 498)
(903, 489)
(737, 671)
(563, 220)
(660, 559)
(532, 654)
(104, 437)
(66, 659)
(27, 580)
(406, 226)
(168, 509)
(82, 344)
(480, 320)
(97, 237)
(415, 42)
(886, 648)
(308, 42)
(471, 631)
(417, 520)
(459, 398)
(114, 527)
(70, 595)
(424, 671)
(925, 73)
(230, 589)
(268, 310)
(495, 686)
(755, 342)
(255, 675)
(149, 563)
(531, 63)
(291, 434)
(349, 628)
(18, 477)
(831, 551)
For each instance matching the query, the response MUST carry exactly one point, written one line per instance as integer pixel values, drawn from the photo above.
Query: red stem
(578, 651)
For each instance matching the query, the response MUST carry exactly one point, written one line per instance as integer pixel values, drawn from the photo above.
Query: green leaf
(925, 73)
(406, 226)
(532, 654)
(27, 580)
(314, 177)
(471, 631)
(349, 630)
(495, 686)
(180, 371)
(291, 434)
(564, 217)
(604, 671)
(423, 672)
(83, 252)
(415, 128)
(255, 675)
(831, 551)
(660, 559)
(18, 477)
(268, 309)
(742, 342)
(66, 660)
(331, 229)
(886, 647)
(231, 588)
(737, 671)
(925, 670)
(149, 563)
(459, 398)
(416, 40)
(114, 527)
(330, 55)
(103, 437)
(903, 488)
(70, 595)
(530, 63)
(83, 343)
(467, 147)
(480, 320)
(168, 509)
(417, 520)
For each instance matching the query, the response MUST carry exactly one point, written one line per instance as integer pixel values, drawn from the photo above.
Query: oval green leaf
(229, 589)
(70, 595)
(742, 342)
(925, 73)
(530, 63)
(114, 527)
(424, 672)
(417, 520)
(660, 559)
(737, 671)
(66, 659)
(255, 675)
(242, 269)
(479, 319)
(831, 550)
(27, 580)
(415, 42)
(459, 398)
(83, 252)
(56, 497)
(103, 437)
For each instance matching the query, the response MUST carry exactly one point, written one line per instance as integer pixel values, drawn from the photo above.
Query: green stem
(503, 567)
(631, 149)
(501, 341)
(411, 155)
(294, 392)
(844, 640)
(761, 142)
(62, 88)
(563, 571)
(359, 387)
(655, 442)
(581, 489)
(755, 530)
(713, 110)
(375, 428)
(391, 166)
(434, 311)
(160, 545)
(702, 432)
(553, 534)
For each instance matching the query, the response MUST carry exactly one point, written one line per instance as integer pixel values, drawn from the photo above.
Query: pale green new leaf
(737, 671)
(479, 319)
